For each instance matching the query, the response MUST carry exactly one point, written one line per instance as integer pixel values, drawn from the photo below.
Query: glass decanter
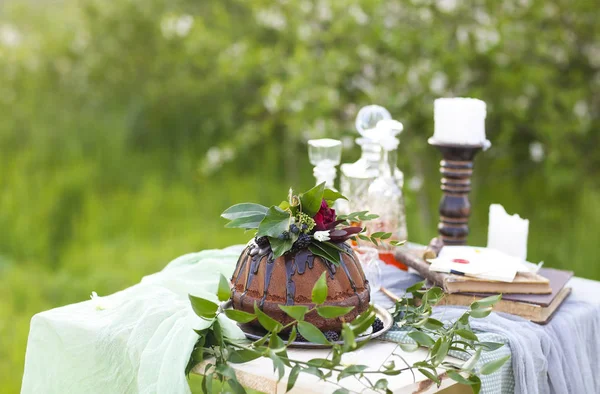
(356, 177)
(386, 199)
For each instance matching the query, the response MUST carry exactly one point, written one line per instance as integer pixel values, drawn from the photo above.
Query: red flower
(324, 218)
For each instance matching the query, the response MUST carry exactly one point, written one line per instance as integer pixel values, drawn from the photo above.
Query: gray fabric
(561, 357)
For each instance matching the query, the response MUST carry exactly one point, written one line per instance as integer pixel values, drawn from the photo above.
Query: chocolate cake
(289, 280)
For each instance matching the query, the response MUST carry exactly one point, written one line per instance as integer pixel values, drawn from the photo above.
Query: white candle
(507, 233)
(459, 121)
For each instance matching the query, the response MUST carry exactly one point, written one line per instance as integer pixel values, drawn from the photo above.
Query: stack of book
(533, 296)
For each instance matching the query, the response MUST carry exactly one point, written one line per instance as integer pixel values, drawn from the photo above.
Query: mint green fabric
(138, 340)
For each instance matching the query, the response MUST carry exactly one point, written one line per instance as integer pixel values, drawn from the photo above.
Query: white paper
(480, 263)
(507, 233)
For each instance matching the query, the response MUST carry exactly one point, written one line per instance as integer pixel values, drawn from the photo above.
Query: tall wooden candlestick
(456, 169)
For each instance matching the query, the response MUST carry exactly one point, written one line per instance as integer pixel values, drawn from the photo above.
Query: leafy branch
(412, 313)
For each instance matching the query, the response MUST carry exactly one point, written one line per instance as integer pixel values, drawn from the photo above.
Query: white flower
(536, 151)
(322, 236)
(97, 301)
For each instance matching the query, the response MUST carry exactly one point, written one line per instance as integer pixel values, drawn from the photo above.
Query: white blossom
(10, 36)
(98, 301)
(536, 151)
(322, 236)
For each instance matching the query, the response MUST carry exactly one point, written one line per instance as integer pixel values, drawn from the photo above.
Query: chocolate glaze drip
(352, 256)
(352, 284)
(293, 264)
(290, 270)
(256, 254)
(268, 274)
(302, 259)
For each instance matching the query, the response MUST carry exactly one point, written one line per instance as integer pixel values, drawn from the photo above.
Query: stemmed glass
(325, 154)
(369, 260)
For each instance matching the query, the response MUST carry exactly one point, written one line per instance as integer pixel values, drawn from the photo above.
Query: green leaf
(226, 371)
(421, 338)
(197, 354)
(314, 371)
(415, 287)
(207, 381)
(433, 324)
(433, 295)
(236, 387)
(464, 319)
(480, 313)
(244, 210)
(430, 375)
(280, 246)
(203, 308)
(441, 352)
(490, 346)
(312, 333)
(408, 347)
(331, 312)
(277, 365)
(320, 363)
(275, 223)
(466, 334)
(319, 291)
(381, 384)
(296, 312)
(224, 291)
(293, 377)
(311, 200)
(242, 356)
(239, 316)
(293, 335)
(266, 321)
(348, 337)
(341, 390)
(247, 222)
(276, 343)
(323, 250)
(485, 302)
(364, 237)
(261, 341)
(493, 366)
(470, 363)
(475, 383)
(363, 321)
(351, 370)
(331, 196)
(457, 377)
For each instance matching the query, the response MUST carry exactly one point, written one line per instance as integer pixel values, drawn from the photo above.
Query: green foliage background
(128, 126)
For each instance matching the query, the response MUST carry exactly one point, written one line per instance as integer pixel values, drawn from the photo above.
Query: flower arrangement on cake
(295, 242)
(305, 220)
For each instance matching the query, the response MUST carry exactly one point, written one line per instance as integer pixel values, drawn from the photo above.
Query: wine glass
(325, 154)
(369, 260)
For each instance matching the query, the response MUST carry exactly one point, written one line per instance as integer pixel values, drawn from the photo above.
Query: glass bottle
(386, 199)
(356, 177)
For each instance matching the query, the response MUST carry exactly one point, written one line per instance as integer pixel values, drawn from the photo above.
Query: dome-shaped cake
(289, 280)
